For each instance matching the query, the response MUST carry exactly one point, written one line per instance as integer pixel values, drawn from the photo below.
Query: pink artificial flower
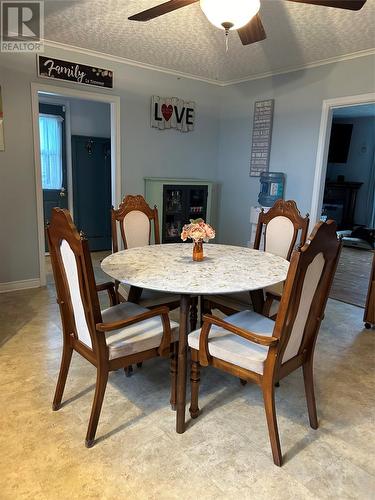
(197, 230)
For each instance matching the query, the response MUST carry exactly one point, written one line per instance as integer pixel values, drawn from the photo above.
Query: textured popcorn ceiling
(185, 41)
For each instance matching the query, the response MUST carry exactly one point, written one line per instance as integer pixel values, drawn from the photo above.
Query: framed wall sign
(2, 144)
(49, 67)
(172, 112)
(261, 139)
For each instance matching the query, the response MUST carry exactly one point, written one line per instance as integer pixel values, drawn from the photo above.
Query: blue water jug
(271, 188)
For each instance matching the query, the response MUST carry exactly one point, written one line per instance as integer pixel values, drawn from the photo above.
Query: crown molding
(128, 62)
(179, 74)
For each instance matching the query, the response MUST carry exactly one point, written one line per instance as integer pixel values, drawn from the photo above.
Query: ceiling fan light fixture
(220, 13)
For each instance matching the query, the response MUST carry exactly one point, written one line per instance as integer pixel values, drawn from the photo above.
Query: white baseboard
(12, 286)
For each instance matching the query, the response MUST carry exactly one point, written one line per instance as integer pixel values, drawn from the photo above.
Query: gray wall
(145, 151)
(358, 166)
(90, 118)
(218, 149)
(298, 107)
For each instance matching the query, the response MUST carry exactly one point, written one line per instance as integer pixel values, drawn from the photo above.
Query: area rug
(352, 276)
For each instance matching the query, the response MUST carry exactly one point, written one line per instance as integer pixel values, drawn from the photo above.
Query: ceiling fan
(240, 15)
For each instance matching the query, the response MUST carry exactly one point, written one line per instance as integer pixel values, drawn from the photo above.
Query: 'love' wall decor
(262, 132)
(171, 112)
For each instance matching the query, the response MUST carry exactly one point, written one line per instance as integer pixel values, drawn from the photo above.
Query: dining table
(170, 268)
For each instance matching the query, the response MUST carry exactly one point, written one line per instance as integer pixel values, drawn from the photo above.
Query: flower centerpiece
(198, 231)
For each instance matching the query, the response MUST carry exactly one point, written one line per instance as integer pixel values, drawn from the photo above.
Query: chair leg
(206, 306)
(101, 384)
(269, 406)
(128, 370)
(139, 365)
(193, 313)
(243, 381)
(173, 372)
(308, 378)
(195, 380)
(267, 305)
(64, 368)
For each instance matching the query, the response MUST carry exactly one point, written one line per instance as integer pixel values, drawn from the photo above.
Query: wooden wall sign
(261, 140)
(49, 67)
(171, 112)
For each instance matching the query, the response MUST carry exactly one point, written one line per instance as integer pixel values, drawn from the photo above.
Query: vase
(198, 251)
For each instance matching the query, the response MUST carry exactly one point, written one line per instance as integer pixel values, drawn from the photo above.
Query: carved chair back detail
(134, 217)
(282, 223)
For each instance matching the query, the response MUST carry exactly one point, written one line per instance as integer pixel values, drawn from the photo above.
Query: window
(50, 127)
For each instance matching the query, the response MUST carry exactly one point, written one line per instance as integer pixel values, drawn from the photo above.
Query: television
(341, 134)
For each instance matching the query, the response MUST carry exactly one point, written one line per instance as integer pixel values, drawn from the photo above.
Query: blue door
(91, 169)
(52, 158)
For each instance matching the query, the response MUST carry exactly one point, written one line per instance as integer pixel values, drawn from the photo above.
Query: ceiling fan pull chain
(227, 27)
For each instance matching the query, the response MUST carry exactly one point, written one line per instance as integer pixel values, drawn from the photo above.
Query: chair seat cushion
(135, 338)
(233, 348)
(149, 298)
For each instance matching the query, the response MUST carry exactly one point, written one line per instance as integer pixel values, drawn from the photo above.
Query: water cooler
(271, 189)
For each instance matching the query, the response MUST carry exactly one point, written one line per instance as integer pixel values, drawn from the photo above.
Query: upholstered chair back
(281, 226)
(74, 278)
(279, 236)
(136, 229)
(134, 217)
(306, 290)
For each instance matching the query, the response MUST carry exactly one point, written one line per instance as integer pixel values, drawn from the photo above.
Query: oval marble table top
(170, 268)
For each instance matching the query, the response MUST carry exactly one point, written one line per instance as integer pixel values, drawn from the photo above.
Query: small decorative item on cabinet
(198, 231)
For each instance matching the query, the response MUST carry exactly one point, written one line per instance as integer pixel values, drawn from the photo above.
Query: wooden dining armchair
(137, 223)
(279, 228)
(257, 349)
(114, 338)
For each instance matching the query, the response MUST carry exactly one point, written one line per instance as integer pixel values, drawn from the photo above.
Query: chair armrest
(110, 288)
(209, 320)
(159, 311)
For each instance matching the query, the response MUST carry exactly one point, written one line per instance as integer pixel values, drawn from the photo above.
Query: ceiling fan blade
(160, 10)
(252, 32)
(339, 4)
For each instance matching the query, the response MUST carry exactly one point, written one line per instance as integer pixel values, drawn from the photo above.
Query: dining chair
(114, 338)
(258, 349)
(137, 222)
(279, 228)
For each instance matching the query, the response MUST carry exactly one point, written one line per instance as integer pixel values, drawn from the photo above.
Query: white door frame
(323, 145)
(52, 90)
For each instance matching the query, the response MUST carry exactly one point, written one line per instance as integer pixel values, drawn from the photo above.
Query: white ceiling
(184, 41)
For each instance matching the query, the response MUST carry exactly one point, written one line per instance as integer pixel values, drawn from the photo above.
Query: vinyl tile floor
(224, 453)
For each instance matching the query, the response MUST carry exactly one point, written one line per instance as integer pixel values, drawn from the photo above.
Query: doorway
(52, 158)
(344, 190)
(76, 167)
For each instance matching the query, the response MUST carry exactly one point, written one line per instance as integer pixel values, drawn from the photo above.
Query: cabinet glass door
(197, 202)
(173, 213)
(180, 204)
